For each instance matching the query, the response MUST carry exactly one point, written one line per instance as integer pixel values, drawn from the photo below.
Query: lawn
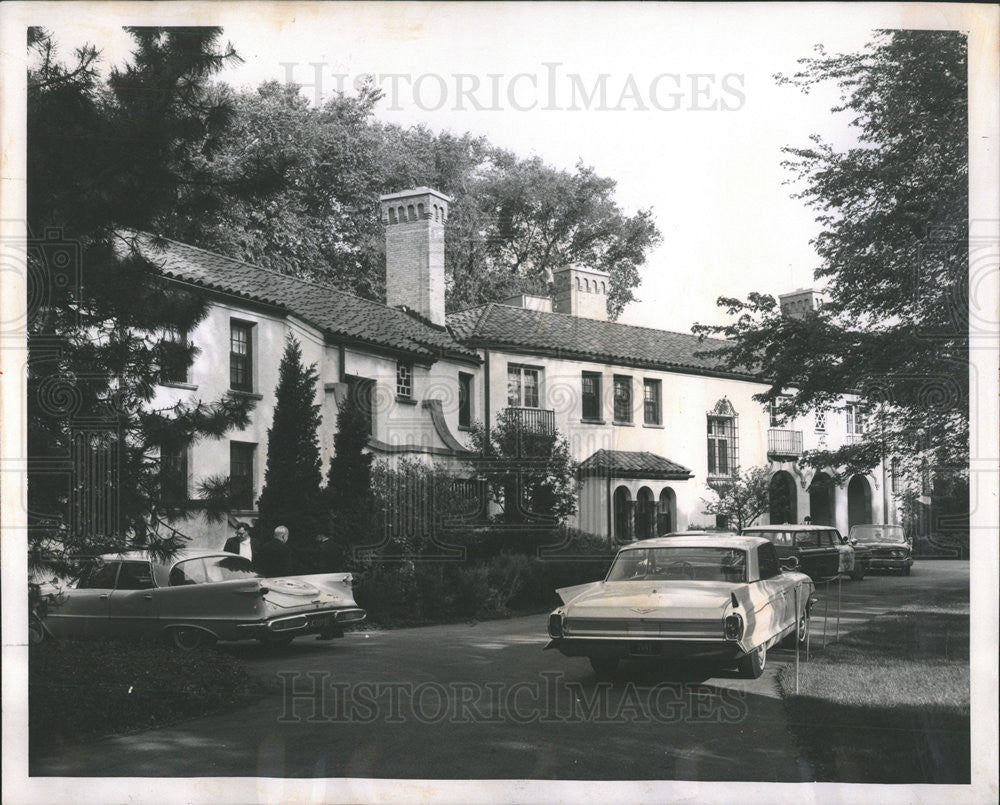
(889, 703)
(79, 689)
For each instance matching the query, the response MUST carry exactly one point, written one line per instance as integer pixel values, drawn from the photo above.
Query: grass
(889, 703)
(86, 689)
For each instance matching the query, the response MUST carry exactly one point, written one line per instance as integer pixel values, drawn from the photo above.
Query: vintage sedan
(887, 545)
(710, 597)
(820, 550)
(194, 599)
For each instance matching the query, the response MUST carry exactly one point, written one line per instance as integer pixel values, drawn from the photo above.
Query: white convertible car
(723, 598)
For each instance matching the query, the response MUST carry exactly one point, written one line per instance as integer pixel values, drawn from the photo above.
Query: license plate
(644, 648)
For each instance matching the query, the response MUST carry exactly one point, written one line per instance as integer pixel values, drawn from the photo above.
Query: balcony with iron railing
(532, 420)
(855, 438)
(787, 443)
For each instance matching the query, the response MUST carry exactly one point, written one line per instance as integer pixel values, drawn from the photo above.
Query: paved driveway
(484, 701)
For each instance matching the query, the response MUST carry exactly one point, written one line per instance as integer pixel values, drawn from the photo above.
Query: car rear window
(191, 571)
(99, 576)
(228, 568)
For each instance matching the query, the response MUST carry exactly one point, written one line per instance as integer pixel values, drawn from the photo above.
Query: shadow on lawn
(889, 703)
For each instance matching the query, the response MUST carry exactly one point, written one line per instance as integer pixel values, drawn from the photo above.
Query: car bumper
(622, 648)
(303, 623)
(890, 564)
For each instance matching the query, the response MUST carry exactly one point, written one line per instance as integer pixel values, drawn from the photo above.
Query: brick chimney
(414, 250)
(581, 292)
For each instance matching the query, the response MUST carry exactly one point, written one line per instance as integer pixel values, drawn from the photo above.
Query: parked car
(820, 550)
(888, 547)
(719, 598)
(194, 599)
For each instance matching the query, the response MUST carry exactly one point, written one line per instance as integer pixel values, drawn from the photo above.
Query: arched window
(410, 213)
(420, 212)
(623, 514)
(645, 513)
(579, 284)
(402, 214)
(723, 440)
(392, 216)
(666, 515)
(603, 288)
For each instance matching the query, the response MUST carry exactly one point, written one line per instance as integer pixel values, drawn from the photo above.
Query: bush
(491, 583)
(80, 689)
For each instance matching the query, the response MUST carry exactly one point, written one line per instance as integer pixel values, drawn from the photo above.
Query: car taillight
(734, 627)
(556, 625)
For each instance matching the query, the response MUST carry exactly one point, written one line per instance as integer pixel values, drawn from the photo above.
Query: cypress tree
(349, 478)
(291, 495)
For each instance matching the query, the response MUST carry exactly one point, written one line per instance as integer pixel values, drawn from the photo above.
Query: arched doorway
(666, 516)
(645, 513)
(782, 499)
(623, 514)
(821, 499)
(859, 501)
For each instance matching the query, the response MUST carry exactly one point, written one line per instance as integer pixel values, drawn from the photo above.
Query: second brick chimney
(414, 250)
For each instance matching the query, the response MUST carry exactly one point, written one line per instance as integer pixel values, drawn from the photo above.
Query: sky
(691, 124)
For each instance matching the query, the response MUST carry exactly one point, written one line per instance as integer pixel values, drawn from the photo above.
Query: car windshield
(697, 564)
(878, 533)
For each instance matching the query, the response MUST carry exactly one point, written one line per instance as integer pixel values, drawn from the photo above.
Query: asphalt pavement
(484, 701)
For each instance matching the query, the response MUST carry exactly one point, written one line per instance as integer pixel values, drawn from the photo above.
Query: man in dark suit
(240, 543)
(272, 557)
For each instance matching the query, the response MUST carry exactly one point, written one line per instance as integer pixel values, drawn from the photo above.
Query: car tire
(36, 632)
(906, 571)
(604, 667)
(187, 638)
(752, 665)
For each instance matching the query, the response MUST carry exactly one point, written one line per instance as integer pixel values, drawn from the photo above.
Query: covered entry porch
(628, 495)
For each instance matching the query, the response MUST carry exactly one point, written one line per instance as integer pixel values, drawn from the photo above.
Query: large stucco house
(650, 420)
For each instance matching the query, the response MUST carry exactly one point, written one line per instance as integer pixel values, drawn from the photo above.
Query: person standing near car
(273, 558)
(240, 543)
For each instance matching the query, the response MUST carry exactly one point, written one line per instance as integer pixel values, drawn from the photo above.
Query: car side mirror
(853, 542)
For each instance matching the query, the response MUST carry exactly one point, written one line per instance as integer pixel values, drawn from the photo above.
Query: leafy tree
(529, 472)
(323, 168)
(291, 495)
(742, 500)
(893, 259)
(349, 488)
(105, 159)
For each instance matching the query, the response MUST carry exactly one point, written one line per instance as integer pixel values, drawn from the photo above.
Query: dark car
(887, 546)
(820, 550)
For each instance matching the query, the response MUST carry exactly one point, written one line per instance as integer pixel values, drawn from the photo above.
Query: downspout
(342, 363)
(486, 389)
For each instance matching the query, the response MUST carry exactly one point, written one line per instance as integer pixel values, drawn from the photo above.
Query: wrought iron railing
(533, 420)
(784, 442)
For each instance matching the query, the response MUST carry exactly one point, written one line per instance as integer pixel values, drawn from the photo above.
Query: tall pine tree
(107, 159)
(291, 495)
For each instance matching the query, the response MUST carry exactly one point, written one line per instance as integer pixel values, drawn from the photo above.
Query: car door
(819, 558)
(83, 610)
(133, 606)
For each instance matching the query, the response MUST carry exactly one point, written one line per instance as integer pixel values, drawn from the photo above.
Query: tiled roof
(628, 464)
(326, 308)
(494, 324)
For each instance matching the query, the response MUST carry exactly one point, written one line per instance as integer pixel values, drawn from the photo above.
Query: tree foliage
(742, 500)
(511, 223)
(349, 489)
(893, 257)
(106, 158)
(291, 495)
(529, 472)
